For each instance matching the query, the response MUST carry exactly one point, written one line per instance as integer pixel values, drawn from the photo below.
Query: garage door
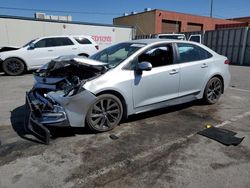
(170, 26)
(194, 27)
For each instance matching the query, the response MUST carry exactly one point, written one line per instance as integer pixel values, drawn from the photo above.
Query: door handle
(174, 71)
(50, 50)
(74, 48)
(204, 65)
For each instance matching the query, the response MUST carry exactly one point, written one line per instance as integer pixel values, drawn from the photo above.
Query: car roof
(52, 36)
(172, 34)
(150, 41)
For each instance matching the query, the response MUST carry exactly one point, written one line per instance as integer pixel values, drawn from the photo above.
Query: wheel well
(117, 94)
(221, 79)
(83, 54)
(25, 66)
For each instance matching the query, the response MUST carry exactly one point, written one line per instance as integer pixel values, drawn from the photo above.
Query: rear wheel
(13, 66)
(105, 113)
(213, 90)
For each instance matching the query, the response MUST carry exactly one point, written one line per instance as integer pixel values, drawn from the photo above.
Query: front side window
(42, 43)
(190, 52)
(160, 55)
(115, 54)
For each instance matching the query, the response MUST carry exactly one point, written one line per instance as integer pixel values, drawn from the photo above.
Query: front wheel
(213, 90)
(13, 67)
(105, 113)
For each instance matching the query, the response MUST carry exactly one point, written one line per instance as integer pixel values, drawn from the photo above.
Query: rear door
(194, 64)
(64, 46)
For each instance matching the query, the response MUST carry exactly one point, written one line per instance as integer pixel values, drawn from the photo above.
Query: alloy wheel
(13, 66)
(214, 90)
(105, 113)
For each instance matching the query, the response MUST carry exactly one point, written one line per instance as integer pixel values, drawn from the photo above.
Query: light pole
(211, 9)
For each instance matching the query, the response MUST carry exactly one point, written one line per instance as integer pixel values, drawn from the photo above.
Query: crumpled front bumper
(37, 120)
(1, 65)
(55, 109)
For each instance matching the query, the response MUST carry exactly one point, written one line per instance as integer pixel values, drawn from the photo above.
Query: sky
(103, 11)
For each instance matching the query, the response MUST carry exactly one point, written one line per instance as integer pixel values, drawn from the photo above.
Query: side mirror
(31, 46)
(143, 66)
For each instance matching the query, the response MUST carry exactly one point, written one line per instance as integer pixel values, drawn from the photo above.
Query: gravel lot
(155, 149)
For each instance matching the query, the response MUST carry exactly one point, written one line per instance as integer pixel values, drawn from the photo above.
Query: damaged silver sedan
(124, 79)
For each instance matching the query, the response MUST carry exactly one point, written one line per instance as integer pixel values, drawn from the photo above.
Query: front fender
(76, 106)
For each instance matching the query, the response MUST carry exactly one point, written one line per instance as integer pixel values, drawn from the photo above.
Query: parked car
(170, 36)
(15, 61)
(124, 79)
(194, 37)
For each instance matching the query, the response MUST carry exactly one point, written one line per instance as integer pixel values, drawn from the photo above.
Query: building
(43, 16)
(161, 21)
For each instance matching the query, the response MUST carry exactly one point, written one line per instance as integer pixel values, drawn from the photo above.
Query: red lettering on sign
(102, 39)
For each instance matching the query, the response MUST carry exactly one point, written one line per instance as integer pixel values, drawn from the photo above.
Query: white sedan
(124, 79)
(15, 61)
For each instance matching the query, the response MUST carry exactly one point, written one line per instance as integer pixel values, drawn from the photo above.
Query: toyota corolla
(124, 79)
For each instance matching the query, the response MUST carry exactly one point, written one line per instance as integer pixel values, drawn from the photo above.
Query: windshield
(29, 43)
(115, 54)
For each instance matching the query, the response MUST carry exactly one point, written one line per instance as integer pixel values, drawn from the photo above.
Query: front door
(159, 84)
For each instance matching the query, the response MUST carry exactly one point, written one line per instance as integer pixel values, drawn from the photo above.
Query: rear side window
(64, 41)
(83, 40)
(190, 52)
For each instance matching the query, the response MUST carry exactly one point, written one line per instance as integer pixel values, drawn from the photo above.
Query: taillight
(97, 47)
(227, 62)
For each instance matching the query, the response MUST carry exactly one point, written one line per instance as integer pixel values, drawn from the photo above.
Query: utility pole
(211, 9)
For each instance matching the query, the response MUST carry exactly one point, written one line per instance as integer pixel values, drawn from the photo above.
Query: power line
(60, 11)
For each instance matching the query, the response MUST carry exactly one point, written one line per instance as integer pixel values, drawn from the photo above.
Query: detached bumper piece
(223, 136)
(40, 114)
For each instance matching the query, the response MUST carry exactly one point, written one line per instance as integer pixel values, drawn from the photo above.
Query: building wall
(242, 19)
(143, 22)
(17, 32)
(153, 22)
(206, 22)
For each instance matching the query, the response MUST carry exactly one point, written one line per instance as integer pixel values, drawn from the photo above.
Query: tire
(105, 113)
(13, 67)
(213, 91)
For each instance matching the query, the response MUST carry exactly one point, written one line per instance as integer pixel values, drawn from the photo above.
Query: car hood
(8, 48)
(68, 67)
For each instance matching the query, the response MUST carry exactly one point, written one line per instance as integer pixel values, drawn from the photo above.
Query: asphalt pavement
(154, 149)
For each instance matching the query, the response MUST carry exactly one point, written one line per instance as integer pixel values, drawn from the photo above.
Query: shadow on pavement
(17, 119)
(165, 110)
(18, 122)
